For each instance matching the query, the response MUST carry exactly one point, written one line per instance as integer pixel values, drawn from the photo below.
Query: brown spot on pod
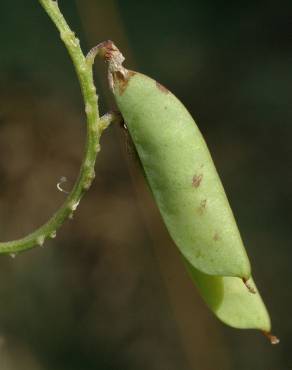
(249, 287)
(197, 180)
(162, 88)
(122, 80)
(202, 207)
(216, 237)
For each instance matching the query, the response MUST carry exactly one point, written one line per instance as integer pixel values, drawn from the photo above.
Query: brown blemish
(105, 50)
(202, 207)
(272, 338)
(122, 81)
(249, 287)
(216, 237)
(162, 88)
(197, 180)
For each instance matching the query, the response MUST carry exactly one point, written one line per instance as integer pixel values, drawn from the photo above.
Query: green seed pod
(189, 194)
(180, 172)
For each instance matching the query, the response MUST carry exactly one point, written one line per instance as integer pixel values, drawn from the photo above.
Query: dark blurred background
(110, 292)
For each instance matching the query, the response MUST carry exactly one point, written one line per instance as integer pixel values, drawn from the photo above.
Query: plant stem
(95, 127)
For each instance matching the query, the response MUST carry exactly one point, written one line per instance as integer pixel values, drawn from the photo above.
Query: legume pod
(188, 192)
(182, 176)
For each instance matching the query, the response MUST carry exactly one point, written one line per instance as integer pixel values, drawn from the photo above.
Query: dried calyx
(108, 51)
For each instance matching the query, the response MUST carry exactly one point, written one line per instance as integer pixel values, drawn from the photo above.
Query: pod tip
(272, 338)
(249, 287)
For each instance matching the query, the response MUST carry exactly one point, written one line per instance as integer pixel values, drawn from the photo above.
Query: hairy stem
(95, 127)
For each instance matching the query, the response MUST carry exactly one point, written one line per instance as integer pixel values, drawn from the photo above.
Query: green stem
(95, 127)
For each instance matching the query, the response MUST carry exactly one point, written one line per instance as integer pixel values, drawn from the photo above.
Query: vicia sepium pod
(179, 170)
(189, 194)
